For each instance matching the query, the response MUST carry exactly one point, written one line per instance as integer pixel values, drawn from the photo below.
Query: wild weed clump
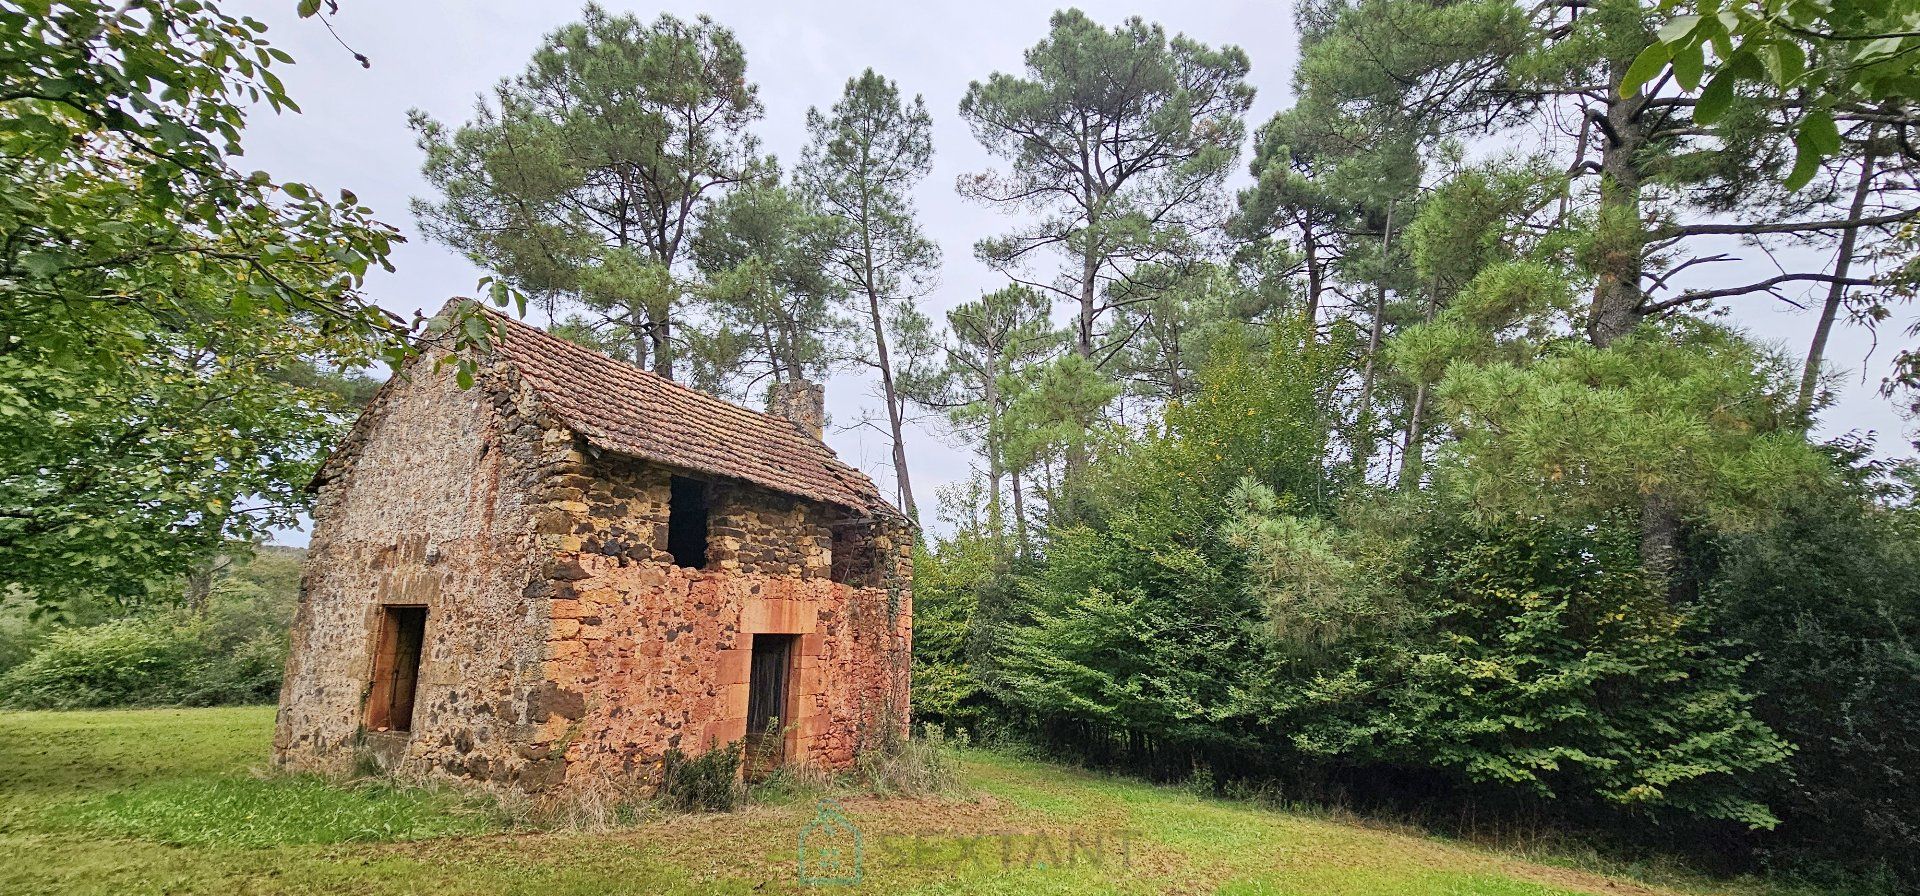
(901, 765)
(794, 783)
(709, 782)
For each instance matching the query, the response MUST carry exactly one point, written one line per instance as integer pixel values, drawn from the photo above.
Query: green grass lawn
(176, 801)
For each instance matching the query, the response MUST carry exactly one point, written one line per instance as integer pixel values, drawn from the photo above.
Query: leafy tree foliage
(764, 252)
(1845, 60)
(584, 178)
(120, 472)
(952, 636)
(160, 305)
(1828, 598)
(1117, 142)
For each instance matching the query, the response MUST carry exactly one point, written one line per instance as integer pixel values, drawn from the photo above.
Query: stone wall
(616, 506)
(651, 657)
(646, 656)
(430, 502)
(766, 533)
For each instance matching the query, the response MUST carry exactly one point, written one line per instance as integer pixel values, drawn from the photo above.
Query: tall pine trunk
(1363, 450)
(1617, 296)
(1083, 331)
(1836, 292)
(895, 424)
(1019, 516)
(996, 518)
(1618, 300)
(1413, 454)
(1083, 342)
(660, 333)
(1413, 458)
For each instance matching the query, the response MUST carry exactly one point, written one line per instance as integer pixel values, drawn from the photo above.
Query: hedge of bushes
(228, 647)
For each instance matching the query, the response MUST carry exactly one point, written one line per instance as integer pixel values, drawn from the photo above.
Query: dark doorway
(396, 668)
(767, 702)
(687, 523)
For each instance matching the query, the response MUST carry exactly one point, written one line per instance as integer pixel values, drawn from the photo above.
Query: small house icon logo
(829, 853)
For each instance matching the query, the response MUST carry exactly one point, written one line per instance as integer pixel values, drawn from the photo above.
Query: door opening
(767, 692)
(396, 668)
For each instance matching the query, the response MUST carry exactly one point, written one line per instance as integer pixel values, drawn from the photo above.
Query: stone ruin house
(557, 575)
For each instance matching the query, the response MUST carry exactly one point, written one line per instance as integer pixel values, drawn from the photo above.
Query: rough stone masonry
(499, 585)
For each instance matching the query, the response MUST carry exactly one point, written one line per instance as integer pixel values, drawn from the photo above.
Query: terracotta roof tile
(620, 408)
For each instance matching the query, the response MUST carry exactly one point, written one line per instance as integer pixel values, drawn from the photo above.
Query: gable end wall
(434, 506)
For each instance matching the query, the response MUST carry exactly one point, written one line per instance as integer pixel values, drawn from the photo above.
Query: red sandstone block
(734, 666)
(564, 608)
(597, 564)
(564, 629)
(786, 614)
(734, 698)
(757, 616)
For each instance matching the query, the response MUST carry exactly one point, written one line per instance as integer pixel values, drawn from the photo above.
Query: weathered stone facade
(562, 643)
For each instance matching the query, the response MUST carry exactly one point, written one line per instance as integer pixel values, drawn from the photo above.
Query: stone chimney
(802, 402)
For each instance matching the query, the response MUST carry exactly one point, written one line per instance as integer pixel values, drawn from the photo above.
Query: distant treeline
(223, 641)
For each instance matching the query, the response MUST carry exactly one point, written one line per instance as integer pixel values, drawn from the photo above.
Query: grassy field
(174, 801)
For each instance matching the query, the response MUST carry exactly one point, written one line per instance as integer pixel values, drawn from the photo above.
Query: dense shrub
(709, 782)
(171, 658)
(1530, 659)
(1829, 600)
(949, 650)
(1133, 640)
(122, 662)
(229, 648)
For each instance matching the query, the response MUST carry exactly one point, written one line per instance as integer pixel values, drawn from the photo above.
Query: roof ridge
(681, 388)
(623, 408)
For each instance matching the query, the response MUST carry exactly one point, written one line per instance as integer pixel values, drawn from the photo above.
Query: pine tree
(1117, 141)
(581, 182)
(863, 158)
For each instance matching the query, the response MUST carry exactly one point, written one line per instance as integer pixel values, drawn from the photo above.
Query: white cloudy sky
(435, 55)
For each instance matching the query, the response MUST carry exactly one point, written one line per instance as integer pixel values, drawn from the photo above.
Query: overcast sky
(435, 56)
